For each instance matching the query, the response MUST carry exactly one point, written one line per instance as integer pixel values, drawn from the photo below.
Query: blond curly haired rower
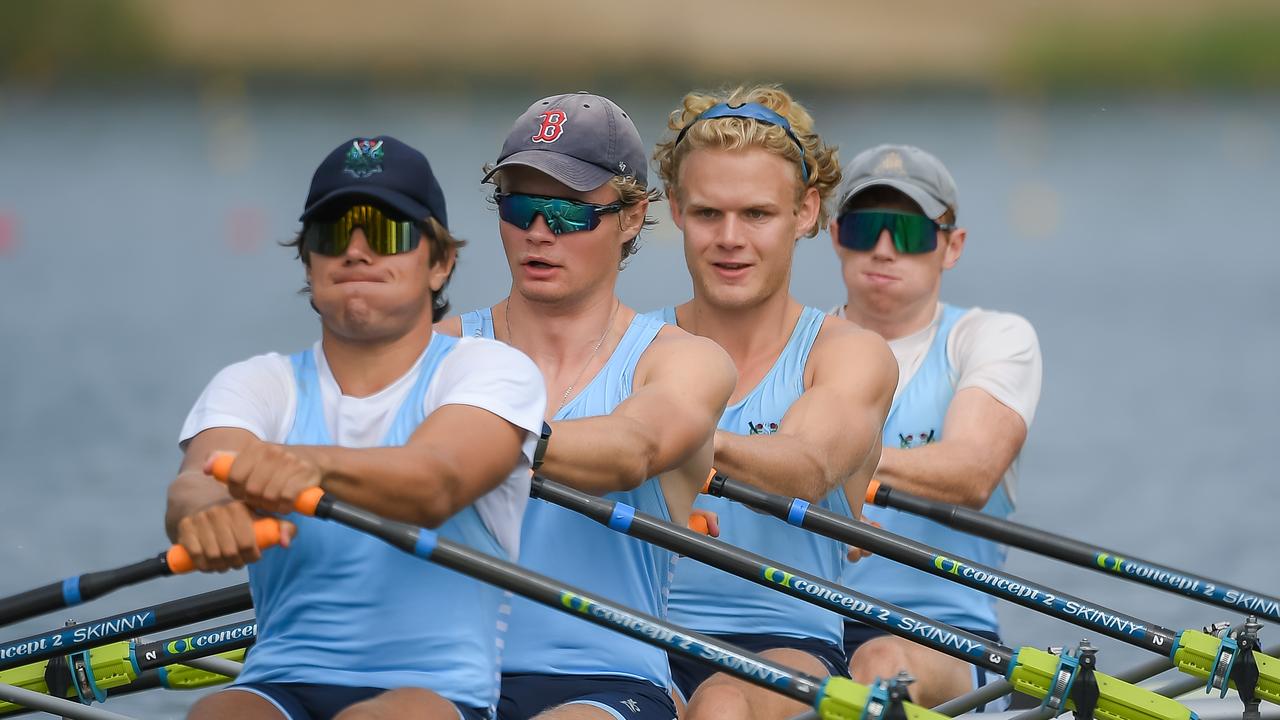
(747, 178)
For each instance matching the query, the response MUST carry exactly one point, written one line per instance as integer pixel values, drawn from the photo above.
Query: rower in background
(969, 381)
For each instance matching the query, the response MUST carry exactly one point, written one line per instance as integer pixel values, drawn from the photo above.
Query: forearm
(189, 493)
(399, 483)
(599, 455)
(952, 473)
(779, 463)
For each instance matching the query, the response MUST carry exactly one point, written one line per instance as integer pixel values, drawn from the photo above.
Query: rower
(969, 381)
(381, 413)
(747, 177)
(633, 404)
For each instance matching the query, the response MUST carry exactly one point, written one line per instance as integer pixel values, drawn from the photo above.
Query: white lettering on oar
(1255, 604)
(111, 628)
(742, 665)
(1098, 617)
(938, 636)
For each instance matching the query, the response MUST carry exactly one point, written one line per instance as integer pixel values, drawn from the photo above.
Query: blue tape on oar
(795, 515)
(622, 516)
(71, 591)
(426, 544)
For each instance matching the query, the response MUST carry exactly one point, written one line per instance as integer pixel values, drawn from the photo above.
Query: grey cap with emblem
(580, 139)
(908, 169)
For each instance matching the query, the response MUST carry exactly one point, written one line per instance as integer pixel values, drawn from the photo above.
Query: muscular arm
(193, 491)
(826, 435)
(980, 440)
(682, 384)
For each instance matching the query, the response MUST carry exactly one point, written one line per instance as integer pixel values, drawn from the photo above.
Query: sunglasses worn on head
(912, 233)
(562, 215)
(385, 234)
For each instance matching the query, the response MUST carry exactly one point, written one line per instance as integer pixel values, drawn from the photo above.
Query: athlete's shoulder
(981, 328)
(843, 346)
(268, 368)
(675, 350)
(478, 352)
(449, 326)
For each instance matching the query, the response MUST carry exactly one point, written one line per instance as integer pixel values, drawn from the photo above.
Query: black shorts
(689, 674)
(305, 701)
(855, 634)
(625, 698)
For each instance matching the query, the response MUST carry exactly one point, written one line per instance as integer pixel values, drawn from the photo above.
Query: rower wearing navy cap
(384, 414)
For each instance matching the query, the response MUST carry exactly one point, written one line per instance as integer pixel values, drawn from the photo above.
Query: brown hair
(441, 243)
(731, 133)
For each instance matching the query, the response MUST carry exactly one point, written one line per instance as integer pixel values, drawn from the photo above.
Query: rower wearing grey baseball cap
(632, 407)
(969, 381)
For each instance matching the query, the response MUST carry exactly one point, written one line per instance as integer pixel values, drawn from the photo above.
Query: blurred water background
(1125, 204)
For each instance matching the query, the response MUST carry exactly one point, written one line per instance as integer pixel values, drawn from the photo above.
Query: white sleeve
(496, 377)
(257, 395)
(999, 353)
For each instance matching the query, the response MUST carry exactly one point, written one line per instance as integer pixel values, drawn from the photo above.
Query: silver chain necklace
(506, 317)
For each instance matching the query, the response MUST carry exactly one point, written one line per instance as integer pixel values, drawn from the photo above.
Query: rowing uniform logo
(906, 442)
(552, 126)
(631, 705)
(759, 428)
(364, 158)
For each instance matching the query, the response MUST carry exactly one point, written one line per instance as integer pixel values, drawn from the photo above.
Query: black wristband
(541, 450)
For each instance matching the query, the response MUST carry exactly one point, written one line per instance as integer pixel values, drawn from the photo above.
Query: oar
(89, 675)
(154, 618)
(82, 588)
(833, 698)
(1031, 671)
(1222, 660)
(1212, 592)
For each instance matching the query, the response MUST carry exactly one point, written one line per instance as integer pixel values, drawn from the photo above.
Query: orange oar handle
(266, 533)
(698, 524)
(706, 484)
(306, 502)
(872, 488)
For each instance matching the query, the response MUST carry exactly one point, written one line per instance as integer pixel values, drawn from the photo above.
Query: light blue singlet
(714, 602)
(339, 607)
(570, 547)
(916, 419)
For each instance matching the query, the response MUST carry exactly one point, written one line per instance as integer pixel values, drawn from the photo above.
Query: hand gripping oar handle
(1187, 649)
(834, 698)
(1031, 671)
(266, 533)
(1212, 592)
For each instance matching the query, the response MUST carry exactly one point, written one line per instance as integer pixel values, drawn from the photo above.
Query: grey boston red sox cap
(580, 139)
(908, 169)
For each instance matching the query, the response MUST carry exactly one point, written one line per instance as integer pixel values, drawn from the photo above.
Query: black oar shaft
(170, 651)
(1213, 592)
(494, 571)
(986, 579)
(78, 589)
(809, 588)
(164, 616)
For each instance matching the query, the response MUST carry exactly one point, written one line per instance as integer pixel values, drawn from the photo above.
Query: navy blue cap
(381, 169)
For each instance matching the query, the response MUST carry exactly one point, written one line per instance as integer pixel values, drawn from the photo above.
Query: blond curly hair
(730, 133)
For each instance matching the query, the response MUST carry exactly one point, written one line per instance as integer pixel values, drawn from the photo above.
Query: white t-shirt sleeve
(502, 380)
(999, 353)
(257, 395)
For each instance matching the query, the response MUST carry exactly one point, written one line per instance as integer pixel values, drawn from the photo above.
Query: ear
(440, 269)
(955, 246)
(632, 219)
(673, 202)
(807, 212)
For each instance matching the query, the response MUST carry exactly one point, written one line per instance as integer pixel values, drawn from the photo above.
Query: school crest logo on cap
(891, 164)
(364, 158)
